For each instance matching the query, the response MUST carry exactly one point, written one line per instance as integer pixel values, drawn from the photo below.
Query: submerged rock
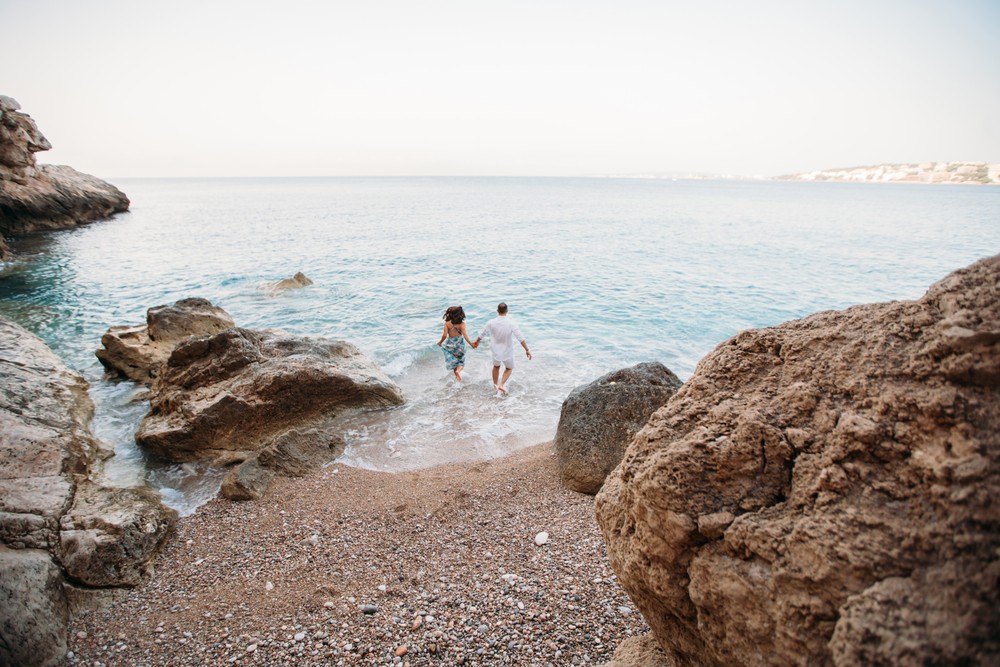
(137, 352)
(33, 197)
(229, 397)
(297, 281)
(599, 419)
(824, 491)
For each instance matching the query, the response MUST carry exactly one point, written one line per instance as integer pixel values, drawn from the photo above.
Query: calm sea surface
(600, 274)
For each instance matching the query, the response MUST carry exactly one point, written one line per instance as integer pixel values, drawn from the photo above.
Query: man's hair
(502, 308)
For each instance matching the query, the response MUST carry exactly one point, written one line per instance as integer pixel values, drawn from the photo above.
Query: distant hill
(977, 173)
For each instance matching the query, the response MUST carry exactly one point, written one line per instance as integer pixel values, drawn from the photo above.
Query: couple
(501, 330)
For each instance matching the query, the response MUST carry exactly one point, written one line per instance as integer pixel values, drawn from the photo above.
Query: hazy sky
(575, 87)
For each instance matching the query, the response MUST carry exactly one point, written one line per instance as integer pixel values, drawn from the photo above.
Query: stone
(858, 453)
(639, 651)
(599, 419)
(45, 439)
(34, 612)
(42, 197)
(246, 481)
(298, 281)
(111, 535)
(226, 397)
(298, 451)
(55, 523)
(137, 352)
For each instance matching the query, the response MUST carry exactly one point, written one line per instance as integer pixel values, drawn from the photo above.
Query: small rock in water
(541, 538)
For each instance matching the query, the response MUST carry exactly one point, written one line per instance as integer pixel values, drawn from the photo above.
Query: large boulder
(824, 492)
(34, 197)
(227, 397)
(599, 419)
(57, 526)
(137, 352)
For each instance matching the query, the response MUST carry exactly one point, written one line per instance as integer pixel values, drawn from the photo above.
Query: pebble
(299, 636)
(541, 538)
(401, 651)
(369, 609)
(268, 586)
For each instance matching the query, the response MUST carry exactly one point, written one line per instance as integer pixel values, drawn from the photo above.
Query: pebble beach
(481, 563)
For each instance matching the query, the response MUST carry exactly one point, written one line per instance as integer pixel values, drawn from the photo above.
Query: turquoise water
(600, 273)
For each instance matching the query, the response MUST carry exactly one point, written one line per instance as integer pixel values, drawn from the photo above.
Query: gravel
(354, 567)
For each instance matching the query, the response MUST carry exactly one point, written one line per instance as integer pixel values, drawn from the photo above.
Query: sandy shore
(353, 567)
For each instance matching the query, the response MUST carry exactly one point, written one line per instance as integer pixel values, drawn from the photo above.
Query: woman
(453, 340)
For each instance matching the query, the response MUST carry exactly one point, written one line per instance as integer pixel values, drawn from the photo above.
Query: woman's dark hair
(455, 315)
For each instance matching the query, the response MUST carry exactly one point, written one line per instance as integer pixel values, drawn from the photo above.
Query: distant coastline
(938, 173)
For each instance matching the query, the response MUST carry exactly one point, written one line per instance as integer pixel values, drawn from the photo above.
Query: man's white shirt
(502, 332)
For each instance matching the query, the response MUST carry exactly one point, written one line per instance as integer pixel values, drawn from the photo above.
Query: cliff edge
(41, 197)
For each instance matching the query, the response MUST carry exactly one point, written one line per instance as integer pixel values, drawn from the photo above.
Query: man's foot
(502, 389)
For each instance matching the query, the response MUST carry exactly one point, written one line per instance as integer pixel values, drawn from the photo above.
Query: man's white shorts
(508, 362)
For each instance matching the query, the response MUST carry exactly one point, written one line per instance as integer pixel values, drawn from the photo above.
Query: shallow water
(600, 273)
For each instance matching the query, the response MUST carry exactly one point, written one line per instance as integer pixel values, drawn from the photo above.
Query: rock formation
(297, 281)
(34, 197)
(57, 527)
(824, 492)
(243, 394)
(137, 352)
(599, 419)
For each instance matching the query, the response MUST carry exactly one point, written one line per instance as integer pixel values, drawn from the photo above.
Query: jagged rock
(48, 196)
(224, 398)
(246, 481)
(110, 535)
(50, 511)
(599, 419)
(137, 352)
(34, 612)
(295, 282)
(858, 453)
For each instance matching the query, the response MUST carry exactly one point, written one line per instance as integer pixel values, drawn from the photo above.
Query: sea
(600, 274)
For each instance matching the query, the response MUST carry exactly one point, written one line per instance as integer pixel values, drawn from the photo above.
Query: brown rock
(246, 481)
(111, 535)
(858, 452)
(226, 397)
(297, 281)
(137, 352)
(599, 419)
(640, 651)
(44, 197)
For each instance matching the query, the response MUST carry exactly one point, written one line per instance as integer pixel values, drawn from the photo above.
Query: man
(502, 332)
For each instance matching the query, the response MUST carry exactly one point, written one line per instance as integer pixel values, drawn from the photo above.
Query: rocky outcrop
(824, 492)
(640, 651)
(241, 394)
(44, 197)
(599, 419)
(297, 281)
(137, 352)
(56, 525)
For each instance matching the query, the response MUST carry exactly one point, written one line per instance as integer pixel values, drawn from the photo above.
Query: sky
(518, 88)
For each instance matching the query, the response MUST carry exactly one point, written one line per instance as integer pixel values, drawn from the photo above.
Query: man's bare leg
(506, 376)
(496, 375)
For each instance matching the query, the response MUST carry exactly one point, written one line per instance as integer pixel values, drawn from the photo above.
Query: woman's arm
(466, 334)
(444, 334)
